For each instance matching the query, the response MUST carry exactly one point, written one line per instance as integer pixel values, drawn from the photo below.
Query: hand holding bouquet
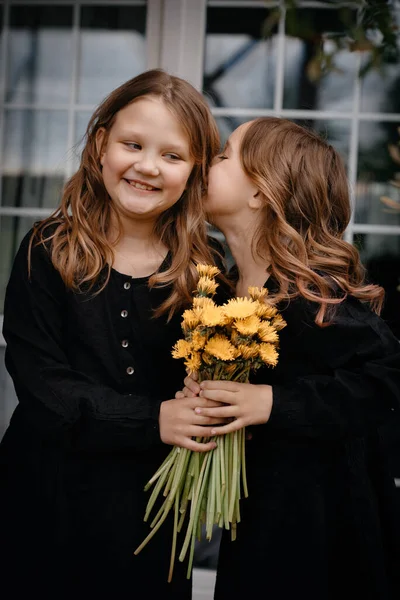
(220, 342)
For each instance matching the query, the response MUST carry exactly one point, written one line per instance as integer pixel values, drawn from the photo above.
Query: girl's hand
(179, 423)
(192, 388)
(245, 403)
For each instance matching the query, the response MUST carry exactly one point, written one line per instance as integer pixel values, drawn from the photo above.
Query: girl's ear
(255, 201)
(100, 135)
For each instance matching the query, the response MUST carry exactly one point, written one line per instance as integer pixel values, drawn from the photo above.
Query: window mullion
(74, 85)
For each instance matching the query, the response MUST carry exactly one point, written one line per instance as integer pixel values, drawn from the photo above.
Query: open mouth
(142, 186)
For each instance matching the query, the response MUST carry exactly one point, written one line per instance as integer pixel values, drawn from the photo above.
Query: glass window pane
(112, 49)
(228, 124)
(336, 132)
(35, 143)
(81, 122)
(376, 169)
(39, 54)
(309, 30)
(239, 67)
(380, 88)
(381, 256)
(8, 399)
(1, 42)
(12, 231)
(30, 191)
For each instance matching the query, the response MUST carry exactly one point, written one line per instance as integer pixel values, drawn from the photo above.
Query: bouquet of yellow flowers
(226, 341)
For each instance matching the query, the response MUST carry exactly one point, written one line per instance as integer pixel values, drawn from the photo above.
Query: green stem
(152, 532)
(210, 516)
(244, 473)
(196, 504)
(227, 480)
(191, 555)
(167, 463)
(234, 466)
(174, 536)
(172, 473)
(155, 494)
(217, 460)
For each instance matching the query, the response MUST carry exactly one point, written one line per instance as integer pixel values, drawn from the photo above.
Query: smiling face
(146, 160)
(230, 194)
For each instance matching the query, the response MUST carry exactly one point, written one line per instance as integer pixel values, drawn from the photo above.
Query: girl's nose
(147, 165)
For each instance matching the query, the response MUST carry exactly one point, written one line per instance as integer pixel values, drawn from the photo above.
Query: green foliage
(367, 26)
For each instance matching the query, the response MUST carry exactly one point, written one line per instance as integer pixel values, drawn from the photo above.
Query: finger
(201, 431)
(220, 384)
(221, 412)
(200, 447)
(221, 396)
(188, 393)
(205, 403)
(192, 384)
(230, 428)
(179, 394)
(193, 374)
(211, 421)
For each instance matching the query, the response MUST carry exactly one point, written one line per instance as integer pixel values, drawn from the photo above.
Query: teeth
(141, 186)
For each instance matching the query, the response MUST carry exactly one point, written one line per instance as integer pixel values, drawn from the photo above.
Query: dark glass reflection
(112, 49)
(39, 54)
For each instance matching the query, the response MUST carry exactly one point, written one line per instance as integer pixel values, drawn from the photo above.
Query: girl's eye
(222, 157)
(133, 145)
(173, 156)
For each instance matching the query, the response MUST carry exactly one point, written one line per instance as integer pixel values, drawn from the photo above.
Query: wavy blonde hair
(303, 182)
(79, 227)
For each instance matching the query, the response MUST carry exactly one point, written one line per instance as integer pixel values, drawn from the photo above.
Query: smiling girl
(93, 308)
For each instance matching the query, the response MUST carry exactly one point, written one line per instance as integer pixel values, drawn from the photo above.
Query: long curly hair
(303, 183)
(77, 232)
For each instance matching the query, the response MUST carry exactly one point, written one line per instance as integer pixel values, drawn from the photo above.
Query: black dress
(90, 372)
(321, 521)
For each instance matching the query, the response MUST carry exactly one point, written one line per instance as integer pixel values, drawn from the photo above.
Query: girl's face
(146, 160)
(230, 192)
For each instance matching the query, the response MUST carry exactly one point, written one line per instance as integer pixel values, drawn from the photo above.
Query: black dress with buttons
(90, 371)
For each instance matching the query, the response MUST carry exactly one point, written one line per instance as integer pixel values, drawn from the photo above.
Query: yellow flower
(235, 337)
(198, 340)
(268, 354)
(229, 369)
(268, 333)
(207, 271)
(240, 308)
(248, 326)
(279, 323)
(220, 347)
(203, 301)
(212, 316)
(193, 363)
(246, 352)
(257, 293)
(190, 319)
(206, 286)
(265, 312)
(208, 359)
(181, 349)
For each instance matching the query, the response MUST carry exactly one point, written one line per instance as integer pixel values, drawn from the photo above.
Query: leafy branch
(359, 26)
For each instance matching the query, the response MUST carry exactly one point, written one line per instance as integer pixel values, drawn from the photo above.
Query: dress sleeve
(55, 400)
(355, 387)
